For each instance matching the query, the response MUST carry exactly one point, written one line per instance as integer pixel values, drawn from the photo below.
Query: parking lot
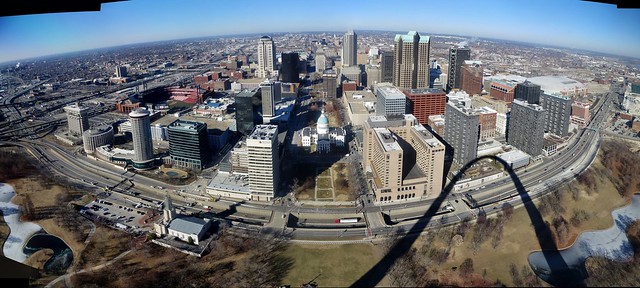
(121, 212)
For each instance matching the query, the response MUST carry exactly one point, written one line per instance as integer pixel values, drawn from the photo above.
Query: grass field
(325, 193)
(323, 183)
(340, 182)
(519, 239)
(335, 265)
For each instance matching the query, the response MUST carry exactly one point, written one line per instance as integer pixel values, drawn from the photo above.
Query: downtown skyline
(572, 24)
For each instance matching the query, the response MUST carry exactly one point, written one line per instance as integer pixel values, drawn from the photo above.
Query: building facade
(263, 162)
(271, 93)
(471, 77)
(141, 134)
(322, 135)
(77, 119)
(528, 92)
(526, 127)
(411, 61)
(245, 110)
(289, 67)
(94, 138)
(457, 56)
(349, 49)
(503, 91)
(390, 100)
(188, 144)
(558, 109)
(580, 113)
(425, 102)
(405, 160)
(386, 66)
(266, 57)
(461, 131)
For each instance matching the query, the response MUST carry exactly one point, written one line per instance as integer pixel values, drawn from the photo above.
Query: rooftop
(409, 37)
(188, 225)
(556, 84)
(390, 93)
(98, 130)
(426, 136)
(186, 125)
(264, 132)
(535, 107)
(425, 91)
(513, 156)
(389, 143)
(140, 112)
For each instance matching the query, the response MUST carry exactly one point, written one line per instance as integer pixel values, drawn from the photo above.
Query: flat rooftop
(513, 156)
(386, 138)
(264, 132)
(185, 125)
(390, 92)
(212, 123)
(426, 136)
(230, 182)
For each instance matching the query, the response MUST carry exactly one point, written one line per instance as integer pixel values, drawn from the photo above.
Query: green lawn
(335, 265)
(325, 193)
(323, 183)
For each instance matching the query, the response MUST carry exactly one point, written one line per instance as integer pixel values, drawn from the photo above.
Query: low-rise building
(359, 105)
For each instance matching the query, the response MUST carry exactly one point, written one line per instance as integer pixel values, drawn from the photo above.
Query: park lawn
(519, 239)
(335, 265)
(323, 183)
(339, 176)
(324, 194)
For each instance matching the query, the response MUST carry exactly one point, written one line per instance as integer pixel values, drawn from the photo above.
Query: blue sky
(575, 24)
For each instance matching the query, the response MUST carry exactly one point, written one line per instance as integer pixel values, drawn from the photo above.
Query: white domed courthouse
(323, 135)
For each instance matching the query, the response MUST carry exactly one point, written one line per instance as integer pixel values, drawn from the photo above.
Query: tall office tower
(386, 66)
(264, 162)
(188, 144)
(330, 84)
(423, 103)
(406, 160)
(141, 134)
(77, 118)
(390, 100)
(246, 102)
(457, 56)
(528, 91)
(503, 90)
(266, 57)
(434, 72)
(121, 71)
(558, 109)
(271, 94)
(411, 61)
(471, 77)
(461, 131)
(349, 49)
(321, 62)
(289, 68)
(372, 73)
(526, 127)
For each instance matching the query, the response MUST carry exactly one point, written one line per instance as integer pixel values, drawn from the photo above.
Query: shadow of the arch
(560, 273)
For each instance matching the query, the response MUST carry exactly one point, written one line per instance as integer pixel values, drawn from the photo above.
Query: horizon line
(289, 32)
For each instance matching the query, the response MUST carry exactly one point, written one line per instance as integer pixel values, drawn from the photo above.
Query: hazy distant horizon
(581, 25)
(15, 61)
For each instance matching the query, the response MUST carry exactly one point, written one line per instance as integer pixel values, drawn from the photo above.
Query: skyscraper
(188, 144)
(528, 92)
(264, 162)
(457, 56)
(349, 49)
(121, 71)
(558, 109)
(77, 119)
(411, 61)
(461, 131)
(526, 127)
(266, 57)
(386, 66)
(434, 72)
(246, 101)
(321, 62)
(289, 68)
(141, 134)
(271, 93)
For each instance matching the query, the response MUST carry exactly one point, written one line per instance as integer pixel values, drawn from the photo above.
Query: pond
(62, 255)
(611, 243)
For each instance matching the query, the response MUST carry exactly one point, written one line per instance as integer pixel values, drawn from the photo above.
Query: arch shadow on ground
(560, 275)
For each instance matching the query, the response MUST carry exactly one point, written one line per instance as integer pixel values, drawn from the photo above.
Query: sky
(565, 23)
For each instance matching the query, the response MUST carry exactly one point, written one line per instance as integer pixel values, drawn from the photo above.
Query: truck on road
(347, 220)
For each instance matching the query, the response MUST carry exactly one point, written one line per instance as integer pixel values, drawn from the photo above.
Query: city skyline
(590, 26)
